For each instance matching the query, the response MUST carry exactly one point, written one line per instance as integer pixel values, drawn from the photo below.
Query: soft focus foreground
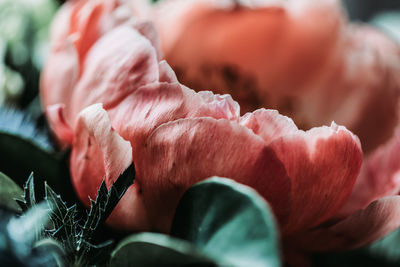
(110, 97)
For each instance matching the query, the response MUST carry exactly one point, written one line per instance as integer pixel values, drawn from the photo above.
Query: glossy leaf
(230, 222)
(20, 156)
(153, 249)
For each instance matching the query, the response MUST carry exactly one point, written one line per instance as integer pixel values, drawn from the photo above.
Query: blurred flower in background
(23, 47)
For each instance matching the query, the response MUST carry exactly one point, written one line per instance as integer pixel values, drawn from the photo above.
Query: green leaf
(25, 148)
(63, 219)
(75, 238)
(153, 249)
(105, 203)
(20, 156)
(228, 221)
(9, 191)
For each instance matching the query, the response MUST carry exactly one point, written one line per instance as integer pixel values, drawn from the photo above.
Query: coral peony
(301, 57)
(109, 97)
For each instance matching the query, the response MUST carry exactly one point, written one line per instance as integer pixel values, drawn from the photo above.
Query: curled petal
(379, 177)
(84, 26)
(166, 73)
(59, 75)
(183, 152)
(59, 30)
(377, 220)
(100, 153)
(323, 165)
(147, 108)
(359, 87)
(268, 124)
(134, 64)
(154, 104)
(61, 129)
(224, 105)
(148, 30)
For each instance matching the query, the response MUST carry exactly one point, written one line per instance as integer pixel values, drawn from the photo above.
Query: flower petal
(183, 152)
(377, 220)
(158, 103)
(59, 75)
(134, 64)
(359, 87)
(268, 124)
(166, 73)
(379, 177)
(61, 129)
(323, 165)
(100, 153)
(249, 52)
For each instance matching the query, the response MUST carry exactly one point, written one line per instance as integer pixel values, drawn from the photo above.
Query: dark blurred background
(365, 10)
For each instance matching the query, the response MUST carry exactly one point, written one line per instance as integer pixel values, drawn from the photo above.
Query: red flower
(176, 137)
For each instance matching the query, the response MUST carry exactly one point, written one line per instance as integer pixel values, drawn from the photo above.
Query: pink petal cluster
(301, 57)
(109, 96)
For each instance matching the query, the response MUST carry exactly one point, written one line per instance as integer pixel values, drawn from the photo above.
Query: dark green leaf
(63, 219)
(75, 238)
(19, 157)
(152, 249)
(228, 221)
(24, 149)
(9, 191)
(103, 206)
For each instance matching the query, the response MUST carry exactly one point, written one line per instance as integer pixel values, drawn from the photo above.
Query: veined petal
(100, 153)
(182, 152)
(379, 177)
(377, 220)
(269, 124)
(166, 73)
(119, 63)
(59, 75)
(323, 165)
(147, 108)
(61, 129)
(222, 104)
(359, 88)
(154, 104)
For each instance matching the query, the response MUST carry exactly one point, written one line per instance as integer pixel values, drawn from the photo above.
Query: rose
(177, 137)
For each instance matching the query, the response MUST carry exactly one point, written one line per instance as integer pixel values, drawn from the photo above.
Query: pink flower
(108, 95)
(120, 69)
(301, 57)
